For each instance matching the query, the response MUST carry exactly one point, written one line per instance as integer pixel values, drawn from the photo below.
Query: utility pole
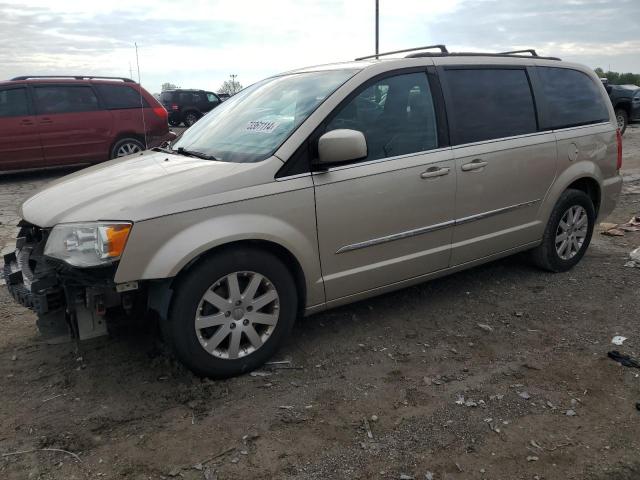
(377, 23)
(233, 83)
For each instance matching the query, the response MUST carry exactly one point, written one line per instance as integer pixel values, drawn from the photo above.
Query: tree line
(616, 78)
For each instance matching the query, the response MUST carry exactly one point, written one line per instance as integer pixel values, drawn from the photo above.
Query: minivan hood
(144, 186)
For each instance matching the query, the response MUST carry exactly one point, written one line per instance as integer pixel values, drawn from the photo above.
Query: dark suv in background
(187, 106)
(48, 122)
(626, 103)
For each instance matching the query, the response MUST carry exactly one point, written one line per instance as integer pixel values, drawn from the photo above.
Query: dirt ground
(372, 390)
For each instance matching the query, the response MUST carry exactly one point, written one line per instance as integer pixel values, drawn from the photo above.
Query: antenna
(144, 123)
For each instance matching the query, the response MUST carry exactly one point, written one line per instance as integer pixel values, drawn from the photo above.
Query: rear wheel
(190, 118)
(568, 232)
(174, 123)
(231, 312)
(126, 146)
(622, 117)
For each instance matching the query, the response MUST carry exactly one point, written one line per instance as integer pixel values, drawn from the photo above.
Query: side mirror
(341, 145)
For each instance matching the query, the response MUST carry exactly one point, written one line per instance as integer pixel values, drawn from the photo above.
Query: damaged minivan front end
(65, 274)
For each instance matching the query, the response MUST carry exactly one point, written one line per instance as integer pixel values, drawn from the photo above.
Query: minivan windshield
(251, 125)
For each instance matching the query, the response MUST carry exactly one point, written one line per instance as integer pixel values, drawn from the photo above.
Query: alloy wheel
(571, 232)
(128, 149)
(237, 315)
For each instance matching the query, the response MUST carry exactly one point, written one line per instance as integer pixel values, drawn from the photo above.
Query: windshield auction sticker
(260, 126)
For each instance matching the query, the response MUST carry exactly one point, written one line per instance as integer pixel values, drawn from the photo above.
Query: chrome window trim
(432, 228)
(502, 139)
(580, 127)
(380, 160)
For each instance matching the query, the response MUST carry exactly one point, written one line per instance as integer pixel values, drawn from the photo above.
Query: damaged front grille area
(30, 280)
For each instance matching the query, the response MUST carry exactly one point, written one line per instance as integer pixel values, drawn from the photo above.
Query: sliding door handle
(477, 164)
(435, 172)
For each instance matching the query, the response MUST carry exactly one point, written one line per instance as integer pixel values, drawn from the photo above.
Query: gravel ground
(372, 390)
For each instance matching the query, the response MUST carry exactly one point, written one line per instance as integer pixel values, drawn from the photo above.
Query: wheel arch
(583, 176)
(288, 259)
(624, 105)
(123, 136)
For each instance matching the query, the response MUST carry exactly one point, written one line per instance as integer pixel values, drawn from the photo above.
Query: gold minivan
(320, 187)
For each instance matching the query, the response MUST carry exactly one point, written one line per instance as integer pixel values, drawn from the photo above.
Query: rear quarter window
(489, 103)
(117, 97)
(572, 98)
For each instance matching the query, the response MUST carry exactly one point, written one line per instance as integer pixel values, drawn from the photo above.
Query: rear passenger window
(396, 116)
(63, 99)
(13, 102)
(572, 98)
(117, 97)
(489, 103)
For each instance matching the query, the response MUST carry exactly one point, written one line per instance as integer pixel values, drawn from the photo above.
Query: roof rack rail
(442, 48)
(477, 54)
(76, 77)
(528, 50)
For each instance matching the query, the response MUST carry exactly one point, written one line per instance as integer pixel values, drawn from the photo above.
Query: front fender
(161, 247)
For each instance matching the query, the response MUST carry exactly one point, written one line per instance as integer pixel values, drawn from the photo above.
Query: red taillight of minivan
(619, 159)
(175, 107)
(161, 112)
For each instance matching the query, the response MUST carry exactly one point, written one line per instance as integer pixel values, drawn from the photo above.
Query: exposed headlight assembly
(87, 244)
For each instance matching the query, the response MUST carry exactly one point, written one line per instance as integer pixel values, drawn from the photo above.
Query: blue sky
(197, 44)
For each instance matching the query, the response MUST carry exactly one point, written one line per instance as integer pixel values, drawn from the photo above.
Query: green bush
(616, 78)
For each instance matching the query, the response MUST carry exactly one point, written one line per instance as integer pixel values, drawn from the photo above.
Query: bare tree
(231, 86)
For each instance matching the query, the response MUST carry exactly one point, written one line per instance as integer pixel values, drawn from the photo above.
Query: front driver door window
(388, 217)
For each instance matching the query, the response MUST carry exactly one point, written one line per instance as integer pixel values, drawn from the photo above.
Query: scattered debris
(404, 476)
(260, 374)
(524, 395)
(55, 396)
(617, 230)
(374, 418)
(618, 340)
(532, 458)
(570, 413)
(428, 475)
(635, 259)
(286, 407)
(59, 450)
(367, 427)
(518, 314)
(624, 360)
(485, 327)
(279, 362)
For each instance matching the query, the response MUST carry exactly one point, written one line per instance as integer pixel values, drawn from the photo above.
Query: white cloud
(198, 43)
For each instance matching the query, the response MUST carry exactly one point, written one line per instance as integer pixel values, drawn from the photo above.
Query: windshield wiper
(191, 153)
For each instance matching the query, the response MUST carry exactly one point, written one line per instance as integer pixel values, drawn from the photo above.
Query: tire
(209, 351)
(126, 146)
(174, 123)
(622, 117)
(550, 255)
(190, 118)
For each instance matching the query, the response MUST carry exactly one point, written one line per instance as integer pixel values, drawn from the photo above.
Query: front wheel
(231, 312)
(622, 117)
(568, 232)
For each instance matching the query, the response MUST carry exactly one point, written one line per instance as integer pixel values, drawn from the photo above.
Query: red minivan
(48, 122)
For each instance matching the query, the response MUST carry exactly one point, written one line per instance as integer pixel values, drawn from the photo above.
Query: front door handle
(477, 164)
(26, 122)
(433, 172)
(45, 121)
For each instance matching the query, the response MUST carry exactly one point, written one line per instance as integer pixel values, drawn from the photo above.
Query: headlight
(87, 244)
